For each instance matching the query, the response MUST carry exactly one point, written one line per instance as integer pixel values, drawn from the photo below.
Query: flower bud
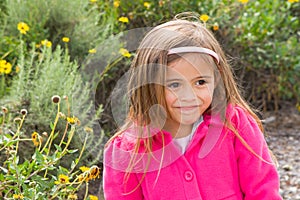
(24, 112)
(55, 99)
(4, 109)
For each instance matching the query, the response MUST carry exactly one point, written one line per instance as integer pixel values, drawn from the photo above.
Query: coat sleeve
(115, 188)
(257, 173)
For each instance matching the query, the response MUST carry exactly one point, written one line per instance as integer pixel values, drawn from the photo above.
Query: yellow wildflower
(72, 197)
(215, 27)
(116, 4)
(62, 179)
(84, 168)
(147, 5)
(243, 1)
(18, 196)
(92, 51)
(46, 43)
(5, 67)
(124, 19)
(94, 172)
(161, 3)
(66, 39)
(88, 129)
(93, 1)
(73, 120)
(35, 138)
(298, 107)
(204, 18)
(124, 52)
(18, 69)
(92, 197)
(23, 27)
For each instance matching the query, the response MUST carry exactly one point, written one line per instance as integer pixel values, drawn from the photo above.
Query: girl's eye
(173, 85)
(200, 82)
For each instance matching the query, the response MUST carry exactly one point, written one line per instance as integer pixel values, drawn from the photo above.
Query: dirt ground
(283, 136)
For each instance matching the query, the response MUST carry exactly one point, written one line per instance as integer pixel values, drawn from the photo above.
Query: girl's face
(188, 90)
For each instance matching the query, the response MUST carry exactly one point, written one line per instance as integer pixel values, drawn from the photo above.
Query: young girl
(189, 134)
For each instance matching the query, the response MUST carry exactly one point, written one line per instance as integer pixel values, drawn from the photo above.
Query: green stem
(86, 190)
(51, 137)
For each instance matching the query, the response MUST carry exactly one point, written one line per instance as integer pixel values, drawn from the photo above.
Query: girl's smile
(189, 89)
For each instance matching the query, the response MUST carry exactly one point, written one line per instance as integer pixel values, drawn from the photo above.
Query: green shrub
(41, 176)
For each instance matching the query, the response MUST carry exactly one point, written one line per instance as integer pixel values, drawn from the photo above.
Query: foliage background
(260, 38)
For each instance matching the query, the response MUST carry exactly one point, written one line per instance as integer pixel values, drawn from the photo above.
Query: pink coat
(216, 165)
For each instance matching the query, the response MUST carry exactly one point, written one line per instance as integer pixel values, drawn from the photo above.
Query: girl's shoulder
(238, 115)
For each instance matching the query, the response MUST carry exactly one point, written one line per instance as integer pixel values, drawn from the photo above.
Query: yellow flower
(94, 172)
(204, 18)
(243, 1)
(72, 197)
(62, 179)
(92, 197)
(124, 52)
(88, 129)
(18, 196)
(73, 120)
(116, 4)
(46, 43)
(92, 51)
(124, 19)
(66, 39)
(215, 27)
(84, 168)
(18, 69)
(147, 5)
(23, 27)
(93, 1)
(5, 67)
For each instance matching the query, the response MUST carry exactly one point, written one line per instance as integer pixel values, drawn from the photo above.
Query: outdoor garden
(62, 60)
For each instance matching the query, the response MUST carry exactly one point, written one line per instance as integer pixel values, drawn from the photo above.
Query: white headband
(192, 49)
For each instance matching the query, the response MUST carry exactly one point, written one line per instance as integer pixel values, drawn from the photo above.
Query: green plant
(41, 176)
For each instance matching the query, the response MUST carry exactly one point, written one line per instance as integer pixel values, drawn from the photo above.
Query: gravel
(283, 137)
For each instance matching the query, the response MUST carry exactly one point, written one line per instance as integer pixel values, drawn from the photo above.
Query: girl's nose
(187, 94)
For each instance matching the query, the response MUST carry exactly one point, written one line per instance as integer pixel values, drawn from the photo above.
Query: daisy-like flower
(92, 197)
(5, 67)
(124, 52)
(23, 27)
(36, 139)
(243, 1)
(65, 39)
(94, 172)
(92, 51)
(46, 43)
(72, 196)
(215, 27)
(84, 168)
(204, 18)
(123, 19)
(147, 5)
(62, 179)
(18, 69)
(116, 4)
(73, 120)
(18, 196)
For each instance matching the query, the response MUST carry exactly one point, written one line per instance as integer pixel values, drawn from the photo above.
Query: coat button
(188, 175)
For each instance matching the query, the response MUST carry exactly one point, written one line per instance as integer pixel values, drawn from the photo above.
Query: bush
(41, 176)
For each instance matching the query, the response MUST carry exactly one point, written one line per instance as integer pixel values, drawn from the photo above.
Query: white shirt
(183, 142)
